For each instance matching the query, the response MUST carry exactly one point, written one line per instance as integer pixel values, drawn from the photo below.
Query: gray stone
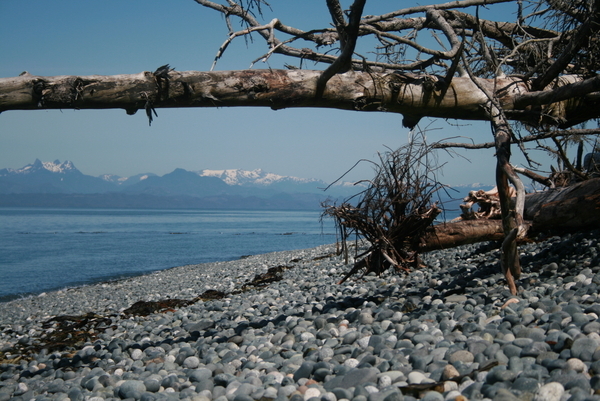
(459, 299)
(353, 378)
(432, 396)
(534, 333)
(191, 362)
(365, 318)
(200, 374)
(500, 374)
(199, 326)
(152, 383)
(350, 337)
(583, 348)
(463, 356)
(132, 389)
(526, 385)
(505, 395)
(304, 371)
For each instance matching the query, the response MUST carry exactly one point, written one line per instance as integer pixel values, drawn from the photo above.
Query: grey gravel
(448, 331)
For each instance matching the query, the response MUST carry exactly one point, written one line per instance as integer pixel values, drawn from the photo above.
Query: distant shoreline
(138, 201)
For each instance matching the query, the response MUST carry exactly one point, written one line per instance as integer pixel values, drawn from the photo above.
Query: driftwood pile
(398, 242)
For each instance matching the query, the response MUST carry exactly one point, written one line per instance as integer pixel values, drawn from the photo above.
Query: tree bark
(557, 210)
(414, 96)
(570, 208)
(464, 232)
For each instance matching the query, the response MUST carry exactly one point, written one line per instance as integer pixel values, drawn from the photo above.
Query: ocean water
(49, 249)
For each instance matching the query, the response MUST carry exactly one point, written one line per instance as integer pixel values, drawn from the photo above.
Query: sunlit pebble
(311, 392)
(351, 362)
(577, 365)
(385, 381)
(371, 389)
(302, 389)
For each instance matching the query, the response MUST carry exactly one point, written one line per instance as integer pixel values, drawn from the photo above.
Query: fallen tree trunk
(414, 96)
(464, 232)
(572, 208)
(558, 210)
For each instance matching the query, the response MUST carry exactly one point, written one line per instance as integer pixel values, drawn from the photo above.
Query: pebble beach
(279, 327)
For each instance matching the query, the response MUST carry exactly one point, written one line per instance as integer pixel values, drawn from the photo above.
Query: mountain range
(61, 184)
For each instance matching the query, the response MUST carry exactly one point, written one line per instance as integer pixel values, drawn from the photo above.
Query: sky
(74, 37)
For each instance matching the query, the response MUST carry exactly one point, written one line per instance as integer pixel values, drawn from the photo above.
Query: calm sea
(48, 249)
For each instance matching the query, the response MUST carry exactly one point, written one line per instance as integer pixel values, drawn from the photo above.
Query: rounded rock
(311, 392)
(200, 374)
(191, 362)
(463, 356)
(132, 389)
(415, 377)
(583, 348)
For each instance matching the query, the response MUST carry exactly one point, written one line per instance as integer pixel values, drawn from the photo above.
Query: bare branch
(588, 28)
(575, 89)
(443, 6)
(529, 138)
(349, 33)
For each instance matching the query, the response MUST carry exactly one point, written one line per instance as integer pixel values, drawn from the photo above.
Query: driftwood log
(558, 210)
(572, 208)
(453, 234)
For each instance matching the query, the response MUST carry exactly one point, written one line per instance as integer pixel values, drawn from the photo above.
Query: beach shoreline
(442, 332)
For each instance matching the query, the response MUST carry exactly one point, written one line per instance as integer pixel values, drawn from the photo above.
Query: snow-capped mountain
(50, 177)
(125, 181)
(41, 183)
(206, 188)
(39, 166)
(253, 177)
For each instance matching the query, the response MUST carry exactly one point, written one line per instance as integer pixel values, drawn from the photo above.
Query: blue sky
(74, 37)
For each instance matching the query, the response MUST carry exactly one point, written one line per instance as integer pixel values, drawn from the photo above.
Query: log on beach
(576, 207)
(558, 210)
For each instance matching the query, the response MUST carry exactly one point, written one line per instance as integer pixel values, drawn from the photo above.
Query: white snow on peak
(55, 167)
(245, 177)
(110, 177)
(144, 177)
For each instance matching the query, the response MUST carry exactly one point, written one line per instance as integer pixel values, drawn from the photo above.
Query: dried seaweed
(145, 308)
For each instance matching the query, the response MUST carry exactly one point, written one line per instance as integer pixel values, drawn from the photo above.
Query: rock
(583, 348)
(200, 374)
(132, 389)
(191, 362)
(449, 373)
(463, 356)
(550, 392)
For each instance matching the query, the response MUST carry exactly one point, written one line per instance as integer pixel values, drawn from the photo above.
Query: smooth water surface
(49, 249)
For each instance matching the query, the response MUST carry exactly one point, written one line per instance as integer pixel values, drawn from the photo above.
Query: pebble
(452, 324)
